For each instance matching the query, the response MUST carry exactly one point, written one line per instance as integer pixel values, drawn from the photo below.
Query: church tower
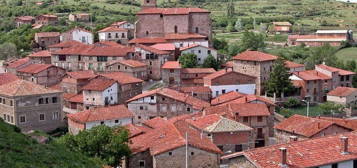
(148, 4)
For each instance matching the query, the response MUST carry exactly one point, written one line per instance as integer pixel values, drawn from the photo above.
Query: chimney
(344, 145)
(283, 156)
(293, 138)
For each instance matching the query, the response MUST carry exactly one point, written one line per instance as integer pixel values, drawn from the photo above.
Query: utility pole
(186, 150)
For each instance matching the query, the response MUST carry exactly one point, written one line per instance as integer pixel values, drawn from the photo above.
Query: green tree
(219, 44)
(279, 81)
(8, 50)
(330, 108)
(253, 41)
(211, 62)
(321, 54)
(230, 9)
(230, 27)
(108, 144)
(188, 60)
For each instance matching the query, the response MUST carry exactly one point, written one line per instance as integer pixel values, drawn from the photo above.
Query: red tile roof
(95, 50)
(135, 130)
(130, 63)
(176, 95)
(171, 136)
(254, 56)
(302, 125)
(176, 36)
(48, 34)
(121, 78)
(86, 74)
(198, 70)
(19, 62)
(203, 122)
(148, 40)
(156, 122)
(101, 114)
(226, 98)
(78, 29)
(76, 99)
(44, 53)
(7, 78)
(172, 11)
(25, 18)
(333, 69)
(228, 64)
(348, 123)
(113, 29)
(35, 68)
(307, 153)
(152, 50)
(109, 43)
(67, 44)
(223, 72)
(311, 75)
(171, 65)
(243, 109)
(290, 64)
(118, 23)
(98, 84)
(195, 89)
(193, 46)
(164, 46)
(24, 88)
(342, 91)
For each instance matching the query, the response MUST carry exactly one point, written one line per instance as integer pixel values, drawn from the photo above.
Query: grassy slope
(18, 150)
(347, 54)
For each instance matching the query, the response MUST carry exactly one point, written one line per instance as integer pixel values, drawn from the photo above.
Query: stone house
(228, 135)
(78, 34)
(13, 65)
(119, 35)
(259, 119)
(171, 73)
(21, 20)
(201, 52)
(301, 127)
(133, 68)
(65, 44)
(72, 103)
(30, 106)
(111, 116)
(89, 57)
(169, 47)
(74, 81)
(169, 144)
(330, 151)
(128, 86)
(41, 57)
(46, 20)
(257, 64)
(294, 67)
(153, 58)
(100, 92)
(125, 25)
(163, 102)
(45, 39)
(346, 96)
(201, 92)
(42, 74)
(282, 27)
(225, 81)
(160, 22)
(80, 17)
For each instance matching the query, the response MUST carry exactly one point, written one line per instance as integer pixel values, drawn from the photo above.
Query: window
(152, 97)
(175, 29)
(0, 100)
(109, 35)
(42, 117)
(102, 59)
(102, 123)
(199, 51)
(260, 119)
(147, 33)
(40, 101)
(122, 35)
(55, 115)
(194, 94)
(355, 164)
(141, 163)
(116, 35)
(54, 100)
(12, 119)
(172, 71)
(238, 148)
(223, 91)
(188, 109)
(342, 78)
(245, 119)
(141, 108)
(217, 93)
(47, 100)
(347, 78)
(192, 153)
(116, 121)
(11, 103)
(62, 58)
(22, 119)
(163, 99)
(170, 153)
(196, 30)
(334, 165)
(208, 52)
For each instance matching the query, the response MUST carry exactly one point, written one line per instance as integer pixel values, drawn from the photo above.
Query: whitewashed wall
(245, 88)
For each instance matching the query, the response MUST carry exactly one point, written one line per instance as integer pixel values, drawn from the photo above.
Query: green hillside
(19, 151)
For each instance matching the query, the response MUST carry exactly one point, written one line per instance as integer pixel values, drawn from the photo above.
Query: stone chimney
(344, 145)
(293, 138)
(283, 157)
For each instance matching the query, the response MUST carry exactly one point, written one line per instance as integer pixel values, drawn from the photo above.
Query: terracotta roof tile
(152, 50)
(198, 70)
(35, 68)
(24, 88)
(227, 125)
(155, 122)
(193, 46)
(121, 78)
(118, 23)
(48, 34)
(98, 84)
(19, 62)
(148, 40)
(222, 73)
(44, 53)
(101, 114)
(164, 46)
(67, 44)
(109, 43)
(290, 64)
(348, 123)
(25, 18)
(95, 50)
(171, 65)
(342, 91)
(333, 69)
(307, 153)
(223, 98)
(76, 98)
(302, 125)
(176, 36)
(86, 74)
(311, 75)
(172, 11)
(254, 56)
(113, 29)
(195, 89)
(130, 63)
(7, 78)
(135, 130)
(243, 109)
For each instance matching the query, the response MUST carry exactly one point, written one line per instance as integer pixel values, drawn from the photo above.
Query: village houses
(119, 35)
(40, 57)
(201, 52)
(79, 17)
(281, 27)
(78, 34)
(133, 68)
(47, 19)
(345, 96)
(21, 20)
(45, 39)
(42, 74)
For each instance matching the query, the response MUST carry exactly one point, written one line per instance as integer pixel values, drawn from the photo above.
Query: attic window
(170, 153)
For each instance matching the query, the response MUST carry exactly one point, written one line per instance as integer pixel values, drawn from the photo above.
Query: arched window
(175, 29)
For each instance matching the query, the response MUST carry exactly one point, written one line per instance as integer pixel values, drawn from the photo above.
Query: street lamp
(307, 101)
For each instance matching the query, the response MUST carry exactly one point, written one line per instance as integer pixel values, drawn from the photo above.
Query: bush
(292, 103)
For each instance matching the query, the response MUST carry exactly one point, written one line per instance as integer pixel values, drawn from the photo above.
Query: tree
(321, 54)
(230, 9)
(108, 144)
(188, 60)
(279, 81)
(253, 41)
(8, 50)
(329, 108)
(219, 44)
(211, 62)
(230, 27)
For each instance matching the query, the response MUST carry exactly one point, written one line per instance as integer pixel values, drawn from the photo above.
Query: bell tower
(148, 4)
